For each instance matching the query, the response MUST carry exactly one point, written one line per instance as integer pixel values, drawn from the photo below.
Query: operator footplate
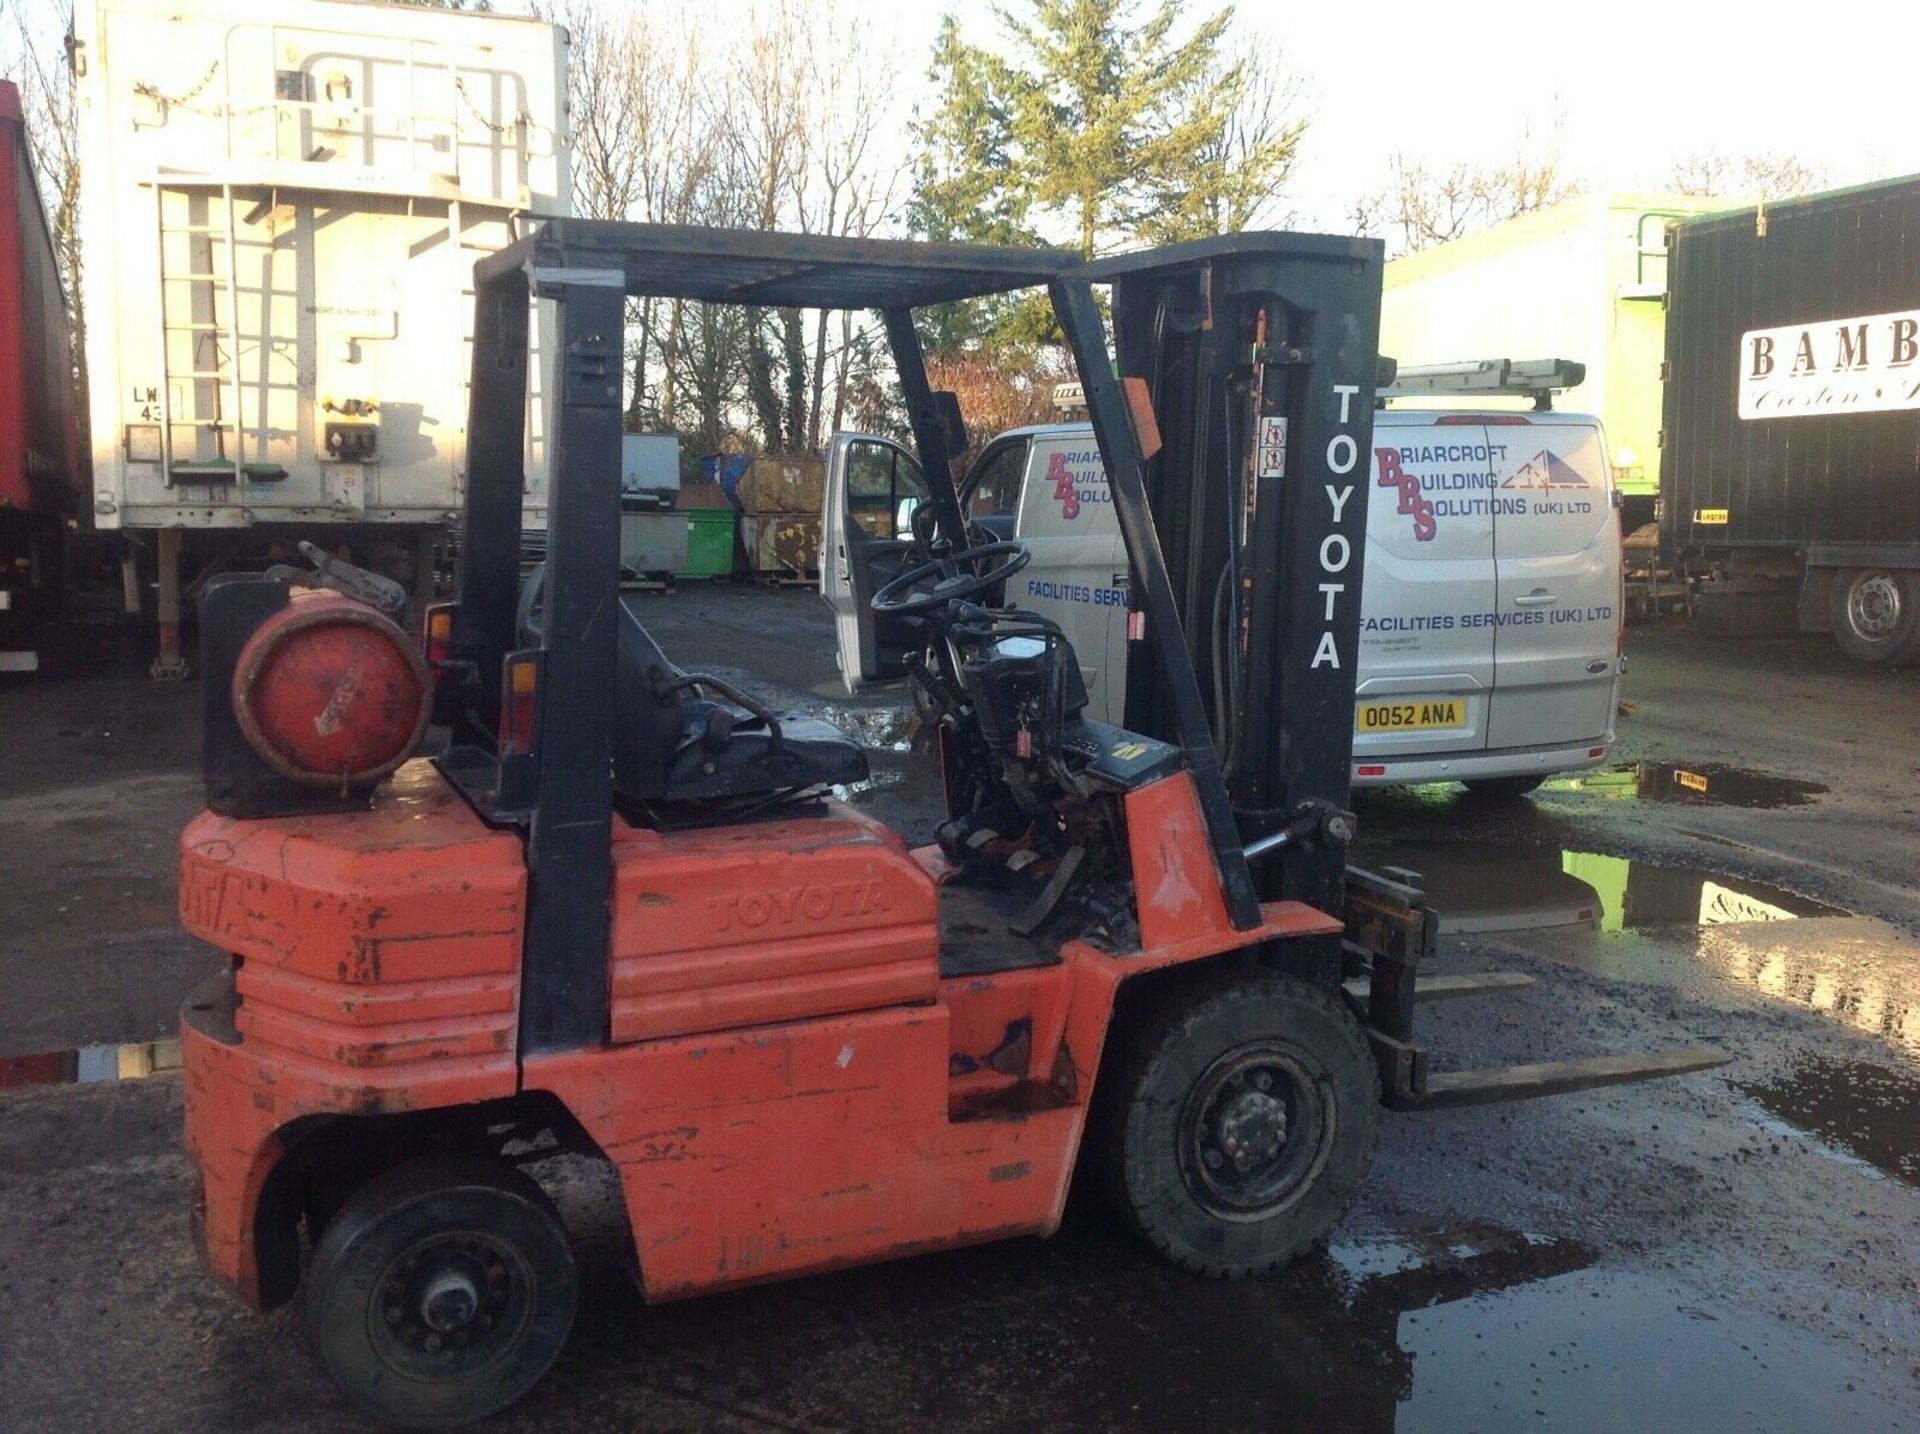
(977, 935)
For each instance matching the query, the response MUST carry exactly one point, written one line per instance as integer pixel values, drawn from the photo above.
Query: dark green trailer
(1790, 443)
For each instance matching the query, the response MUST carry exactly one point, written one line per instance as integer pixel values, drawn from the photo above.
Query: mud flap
(1390, 930)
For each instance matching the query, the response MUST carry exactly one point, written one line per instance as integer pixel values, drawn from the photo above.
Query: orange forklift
(622, 914)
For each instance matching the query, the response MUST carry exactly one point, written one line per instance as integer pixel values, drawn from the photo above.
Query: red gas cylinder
(330, 692)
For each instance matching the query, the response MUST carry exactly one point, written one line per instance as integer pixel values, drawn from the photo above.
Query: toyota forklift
(622, 914)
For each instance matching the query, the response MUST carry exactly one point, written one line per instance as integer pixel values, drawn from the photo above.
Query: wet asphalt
(1732, 1250)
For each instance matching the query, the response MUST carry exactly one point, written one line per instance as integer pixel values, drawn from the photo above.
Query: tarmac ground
(1738, 1249)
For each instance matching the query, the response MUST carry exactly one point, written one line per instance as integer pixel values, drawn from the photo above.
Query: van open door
(873, 487)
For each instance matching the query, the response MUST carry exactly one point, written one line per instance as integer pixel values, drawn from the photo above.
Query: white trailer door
(1426, 667)
(1557, 545)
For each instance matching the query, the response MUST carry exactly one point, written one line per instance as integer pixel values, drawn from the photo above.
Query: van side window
(994, 487)
(884, 486)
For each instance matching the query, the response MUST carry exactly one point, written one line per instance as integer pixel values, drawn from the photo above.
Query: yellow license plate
(1419, 716)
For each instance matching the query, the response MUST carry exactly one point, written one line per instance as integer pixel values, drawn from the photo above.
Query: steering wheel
(951, 582)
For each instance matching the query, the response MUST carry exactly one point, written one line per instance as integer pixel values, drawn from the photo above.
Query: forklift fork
(1390, 932)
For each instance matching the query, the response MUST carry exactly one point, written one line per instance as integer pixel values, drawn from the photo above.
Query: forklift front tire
(1250, 1112)
(441, 1291)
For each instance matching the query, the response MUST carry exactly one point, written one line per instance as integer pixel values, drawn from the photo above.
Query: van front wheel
(1875, 615)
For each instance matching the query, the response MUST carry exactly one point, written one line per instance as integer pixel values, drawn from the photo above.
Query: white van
(1491, 638)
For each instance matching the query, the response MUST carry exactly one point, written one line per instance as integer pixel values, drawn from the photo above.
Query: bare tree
(768, 75)
(804, 143)
(642, 149)
(1420, 206)
(999, 388)
(1762, 176)
(34, 53)
(780, 122)
(844, 187)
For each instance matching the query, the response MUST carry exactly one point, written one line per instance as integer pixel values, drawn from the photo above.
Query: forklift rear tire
(1248, 1119)
(441, 1291)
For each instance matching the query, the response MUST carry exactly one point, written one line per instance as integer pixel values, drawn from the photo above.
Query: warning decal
(1271, 460)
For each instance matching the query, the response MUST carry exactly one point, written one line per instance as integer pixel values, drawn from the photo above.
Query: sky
(1635, 87)
(1625, 90)
(1632, 87)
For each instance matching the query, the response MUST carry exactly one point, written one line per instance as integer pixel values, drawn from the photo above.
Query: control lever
(718, 731)
(1315, 821)
(346, 579)
(946, 696)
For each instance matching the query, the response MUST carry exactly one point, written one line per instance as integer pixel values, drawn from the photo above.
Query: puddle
(1621, 1350)
(86, 1065)
(1695, 784)
(878, 729)
(886, 729)
(1869, 1112)
(854, 791)
(1466, 1326)
(1628, 920)
(1479, 890)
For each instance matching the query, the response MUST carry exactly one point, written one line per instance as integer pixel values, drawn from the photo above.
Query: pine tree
(1108, 112)
(963, 189)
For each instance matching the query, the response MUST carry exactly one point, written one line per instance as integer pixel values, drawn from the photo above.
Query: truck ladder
(224, 367)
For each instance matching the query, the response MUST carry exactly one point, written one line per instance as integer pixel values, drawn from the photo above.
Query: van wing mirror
(953, 424)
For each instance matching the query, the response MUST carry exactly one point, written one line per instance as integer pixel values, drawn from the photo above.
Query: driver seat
(673, 744)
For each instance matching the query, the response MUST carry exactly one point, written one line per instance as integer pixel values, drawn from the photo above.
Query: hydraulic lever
(1316, 821)
(950, 700)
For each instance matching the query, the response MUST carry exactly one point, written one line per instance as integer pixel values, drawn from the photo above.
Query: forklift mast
(1260, 364)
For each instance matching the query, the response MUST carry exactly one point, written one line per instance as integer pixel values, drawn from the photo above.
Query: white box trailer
(281, 208)
(1580, 280)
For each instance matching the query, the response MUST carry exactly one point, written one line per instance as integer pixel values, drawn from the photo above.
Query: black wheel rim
(451, 1305)
(1255, 1131)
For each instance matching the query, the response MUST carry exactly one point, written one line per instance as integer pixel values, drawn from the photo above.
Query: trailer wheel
(1247, 1125)
(1875, 615)
(441, 1291)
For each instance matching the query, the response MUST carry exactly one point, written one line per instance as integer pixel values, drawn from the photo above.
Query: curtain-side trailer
(281, 210)
(43, 474)
(1791, 431)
